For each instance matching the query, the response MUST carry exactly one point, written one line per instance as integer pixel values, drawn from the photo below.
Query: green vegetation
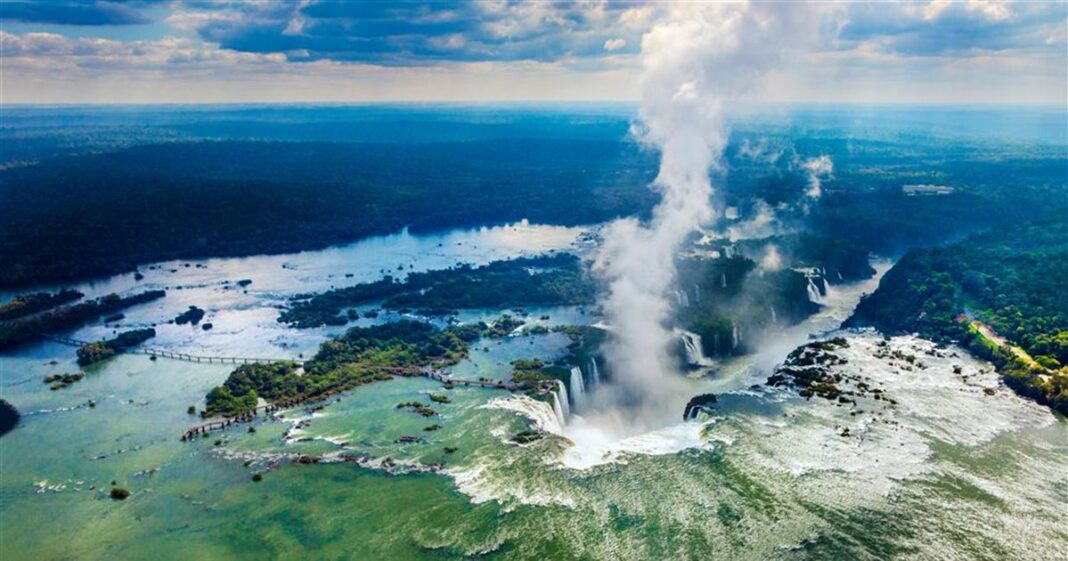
(502, 326)
(733, 293)
(547, 280)
(1011, 278)
(361, 356)
(530, 371)
(60, 381)
(841, 259)
(27, 304)
(526, 437)
(91, 353)
(417, 407)
(197, 199)
(29, 328)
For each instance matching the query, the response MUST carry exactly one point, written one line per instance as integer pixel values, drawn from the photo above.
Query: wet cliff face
(728, 304)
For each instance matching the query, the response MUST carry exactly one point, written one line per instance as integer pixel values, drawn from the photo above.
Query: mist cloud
(702, 58)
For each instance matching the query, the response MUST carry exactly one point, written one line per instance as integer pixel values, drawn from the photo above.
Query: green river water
(952, 472)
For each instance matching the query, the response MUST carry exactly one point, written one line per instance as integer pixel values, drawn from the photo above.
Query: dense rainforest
(1011, 279)
(81, 216)
(90, 195)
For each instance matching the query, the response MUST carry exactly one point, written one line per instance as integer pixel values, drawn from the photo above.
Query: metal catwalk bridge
(161, 353)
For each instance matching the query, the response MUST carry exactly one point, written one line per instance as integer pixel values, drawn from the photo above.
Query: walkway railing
(161, 353)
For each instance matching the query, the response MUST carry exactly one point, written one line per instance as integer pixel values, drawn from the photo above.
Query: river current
(960, 468)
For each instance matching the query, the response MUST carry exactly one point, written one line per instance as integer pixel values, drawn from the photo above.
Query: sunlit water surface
(961, 469)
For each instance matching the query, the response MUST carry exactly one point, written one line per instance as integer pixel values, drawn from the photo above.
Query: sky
(219, 51)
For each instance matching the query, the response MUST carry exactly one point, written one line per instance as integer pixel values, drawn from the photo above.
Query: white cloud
(615, 44)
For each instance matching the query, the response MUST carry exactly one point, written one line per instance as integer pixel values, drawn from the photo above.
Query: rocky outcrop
(9, 417)
(704, 402)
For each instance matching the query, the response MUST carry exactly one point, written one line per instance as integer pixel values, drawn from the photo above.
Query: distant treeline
(76, 217)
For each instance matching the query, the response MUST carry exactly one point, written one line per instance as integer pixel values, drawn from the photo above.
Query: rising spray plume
(704, 57)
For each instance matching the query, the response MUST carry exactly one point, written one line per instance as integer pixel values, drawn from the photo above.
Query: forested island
(29, 304)
(547, 280)
(25, 329)
(91, 353)
(1006, 283)
(362, 355)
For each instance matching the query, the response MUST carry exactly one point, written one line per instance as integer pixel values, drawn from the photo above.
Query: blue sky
(91, 51)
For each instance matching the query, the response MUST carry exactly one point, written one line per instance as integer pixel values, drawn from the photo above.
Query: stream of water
(962, 468)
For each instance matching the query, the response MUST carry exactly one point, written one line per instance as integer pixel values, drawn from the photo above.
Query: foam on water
(593, 445)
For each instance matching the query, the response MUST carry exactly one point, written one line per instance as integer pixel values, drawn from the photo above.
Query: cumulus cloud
(943, 28)
(960, 51)
(66, 12)
(395, 33)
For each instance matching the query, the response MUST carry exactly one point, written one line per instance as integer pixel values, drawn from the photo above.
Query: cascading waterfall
(774, 318)
(595, 374)
(561, 392)
(814, 292)
(840, 279)
(558, 410)
(723, 280)
(683, 298)
(696, 292)
(735, 339)
(695, 355)
(578, 388)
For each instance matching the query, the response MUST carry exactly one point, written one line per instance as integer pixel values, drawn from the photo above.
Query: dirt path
(989, 333)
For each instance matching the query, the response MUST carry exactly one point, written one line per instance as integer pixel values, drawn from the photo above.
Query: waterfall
(595, 374)
(840, 279)
(715, 344)
(561, 390)
(774, 318)
(695, 355)
(734, 336)
(723, 280)
(578, 388)
(813, 292)
(682, 298)
(558, 410)
(696, 292)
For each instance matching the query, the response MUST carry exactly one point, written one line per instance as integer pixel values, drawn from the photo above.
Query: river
(953, 472)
